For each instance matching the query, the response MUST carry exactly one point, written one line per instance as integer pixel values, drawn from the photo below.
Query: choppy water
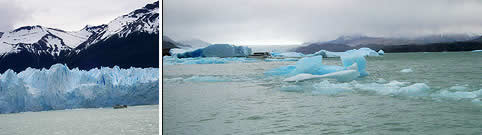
(238, 98)
(135, 120)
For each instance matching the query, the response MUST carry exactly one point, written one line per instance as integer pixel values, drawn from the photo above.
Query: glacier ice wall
(62, 88)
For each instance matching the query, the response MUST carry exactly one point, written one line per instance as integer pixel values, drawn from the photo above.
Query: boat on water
(119, 106)
(260, 55)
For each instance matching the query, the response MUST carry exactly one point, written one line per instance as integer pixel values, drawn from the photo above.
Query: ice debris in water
(393, 88)
(206, 79)
(458, 87)
(62, 88)
(406, 70)
(457, 94)
(216, 50)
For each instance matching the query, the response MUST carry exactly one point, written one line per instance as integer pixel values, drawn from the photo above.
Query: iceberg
(354, 66)
(359, 59)
(477, 51)
(215, 50)
(307, 65)
(381, 52)
(62, 88)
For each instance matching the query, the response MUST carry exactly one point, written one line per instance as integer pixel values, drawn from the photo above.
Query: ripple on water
(255, 117)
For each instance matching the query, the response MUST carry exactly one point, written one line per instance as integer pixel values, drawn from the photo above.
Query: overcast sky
(70, 15)
(245, 22)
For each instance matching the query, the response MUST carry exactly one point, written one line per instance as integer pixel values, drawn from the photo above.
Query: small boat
(260, 55)
(119, 106)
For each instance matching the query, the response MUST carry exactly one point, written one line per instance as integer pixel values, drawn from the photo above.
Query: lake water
(237, 98)
(135, 120)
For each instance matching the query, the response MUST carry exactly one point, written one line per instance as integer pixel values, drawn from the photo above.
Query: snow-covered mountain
(39, 39)
(134, 36)
(195, 43)
(144, 20)
(176, 44)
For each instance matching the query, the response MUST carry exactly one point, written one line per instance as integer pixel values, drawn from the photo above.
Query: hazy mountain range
(442, 42)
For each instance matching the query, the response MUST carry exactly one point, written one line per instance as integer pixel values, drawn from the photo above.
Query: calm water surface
(135, 120)
(237, 98)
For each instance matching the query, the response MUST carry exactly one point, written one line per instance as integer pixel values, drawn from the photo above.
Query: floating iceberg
(381, 52)
(477, 51)
(307, 65)
(312, 67)
(62, 88)
(216, 50)
(352, 58)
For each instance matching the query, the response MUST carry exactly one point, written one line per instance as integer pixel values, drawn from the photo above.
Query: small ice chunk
(381, 80)
(456, 95)
(342, 76)
(414, 89)
(381, 52)
(301, 77)
(458, 87)
(406, 70)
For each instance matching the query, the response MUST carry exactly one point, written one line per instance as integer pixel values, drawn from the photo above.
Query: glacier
(62, 88)
(216, 50)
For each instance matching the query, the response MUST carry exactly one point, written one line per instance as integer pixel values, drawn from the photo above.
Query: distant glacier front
(59, 88)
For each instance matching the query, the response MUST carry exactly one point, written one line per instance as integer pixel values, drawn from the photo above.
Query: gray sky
(70, 15)
(245, 22)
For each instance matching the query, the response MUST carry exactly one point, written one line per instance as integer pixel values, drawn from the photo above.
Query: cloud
(290, 21)
(70, 15)
(10, 14)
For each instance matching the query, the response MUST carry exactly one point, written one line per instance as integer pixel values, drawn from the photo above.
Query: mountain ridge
(40, 47)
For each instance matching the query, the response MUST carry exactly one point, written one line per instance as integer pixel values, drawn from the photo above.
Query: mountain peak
(28, 28)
